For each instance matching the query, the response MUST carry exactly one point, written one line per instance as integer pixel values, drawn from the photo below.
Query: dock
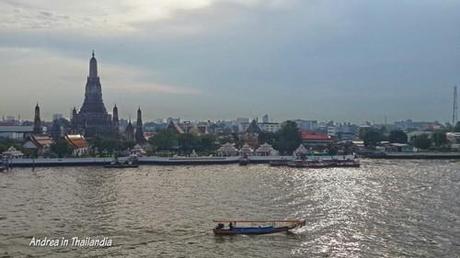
(172, 161)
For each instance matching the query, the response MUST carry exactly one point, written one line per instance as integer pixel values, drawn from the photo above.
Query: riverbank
(175, 161)
(56, 162)
(414, 155)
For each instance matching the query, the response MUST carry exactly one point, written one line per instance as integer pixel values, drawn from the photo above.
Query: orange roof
(41, 140)
(314, 136)
(76, 141)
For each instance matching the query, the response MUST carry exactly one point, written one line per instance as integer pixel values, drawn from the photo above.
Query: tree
(5, 143)
(61, 148)
(372, 137)
(267, 137)
(397, 136)
(422, 141)
(457, 127)
(187, 142)
(165, 140)
(207, 143)
(332, 149)
(439, 138)
(288, 138)
(106, 144)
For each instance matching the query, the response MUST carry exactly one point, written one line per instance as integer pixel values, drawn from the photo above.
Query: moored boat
(130, 163)
(243, 161)
(278, 163)
(121, 165)
(296, 164)
(348, 164)
(255, 227)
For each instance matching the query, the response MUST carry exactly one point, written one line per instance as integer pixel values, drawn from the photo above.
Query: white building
(269, 127)
(331, 131)
(16, 132)
(310, 125)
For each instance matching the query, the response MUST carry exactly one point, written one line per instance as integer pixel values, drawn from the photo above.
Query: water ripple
(385, 208)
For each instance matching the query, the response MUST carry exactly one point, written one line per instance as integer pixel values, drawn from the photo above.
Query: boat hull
(250, 231)
(121, 166)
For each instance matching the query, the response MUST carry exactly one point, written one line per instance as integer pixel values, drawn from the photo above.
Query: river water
(385, 208)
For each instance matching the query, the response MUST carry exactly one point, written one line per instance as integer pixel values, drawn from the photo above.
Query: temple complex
(93, 119)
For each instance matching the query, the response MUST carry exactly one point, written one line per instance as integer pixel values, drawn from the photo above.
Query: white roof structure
(265, 148)
(227, 149)
(138, 150)
(193, 154)
(301, 150)
(246, 149)
(12, 152)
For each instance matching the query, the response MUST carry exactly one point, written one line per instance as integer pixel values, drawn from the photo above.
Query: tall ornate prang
(37, 121)
(140, 139)
(93, 118)
(129, 131)
(115, 121)
(74, 121)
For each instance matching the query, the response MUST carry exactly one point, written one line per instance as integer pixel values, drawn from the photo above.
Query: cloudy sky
(353, 60)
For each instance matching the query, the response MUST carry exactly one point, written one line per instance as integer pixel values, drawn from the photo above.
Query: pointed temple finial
(93, 66)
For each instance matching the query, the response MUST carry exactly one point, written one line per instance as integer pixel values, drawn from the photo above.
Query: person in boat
(220, 226)
(230, 225)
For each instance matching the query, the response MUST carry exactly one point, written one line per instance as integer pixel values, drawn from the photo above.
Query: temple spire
(37, 121)
(93, 66)
(139, 130)
(115, 121)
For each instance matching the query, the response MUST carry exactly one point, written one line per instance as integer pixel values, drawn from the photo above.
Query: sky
(342, 60)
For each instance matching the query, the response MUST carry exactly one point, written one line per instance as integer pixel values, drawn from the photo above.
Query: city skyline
(223, 59)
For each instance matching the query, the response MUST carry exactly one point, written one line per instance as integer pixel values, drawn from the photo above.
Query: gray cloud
(357, 60)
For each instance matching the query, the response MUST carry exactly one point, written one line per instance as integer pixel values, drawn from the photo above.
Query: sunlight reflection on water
(384, 208)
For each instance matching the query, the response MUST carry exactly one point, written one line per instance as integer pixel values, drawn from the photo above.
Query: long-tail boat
(255, 227)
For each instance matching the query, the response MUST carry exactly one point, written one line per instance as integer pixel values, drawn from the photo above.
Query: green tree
(188, 142)
(288, 138)
(422, 141)
(165, 140)
(61, 148)
(439, 138)
(372, 137)
(397, 136)
(6, 143)
(207, 143)
(457, 127)
(332, 149)
(267, 137)
(107, 145)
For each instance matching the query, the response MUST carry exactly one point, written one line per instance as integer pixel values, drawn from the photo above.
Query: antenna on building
(454, 107)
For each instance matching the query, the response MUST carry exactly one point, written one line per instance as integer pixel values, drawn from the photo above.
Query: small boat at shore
(121, 165)
(278, 163)
(129, 163)
(255, 227)
(324, 164)
(243, 161)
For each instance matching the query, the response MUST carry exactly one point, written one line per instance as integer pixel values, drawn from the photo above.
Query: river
(386, 208)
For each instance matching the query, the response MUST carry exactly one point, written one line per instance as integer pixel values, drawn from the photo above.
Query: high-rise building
(265, 119)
